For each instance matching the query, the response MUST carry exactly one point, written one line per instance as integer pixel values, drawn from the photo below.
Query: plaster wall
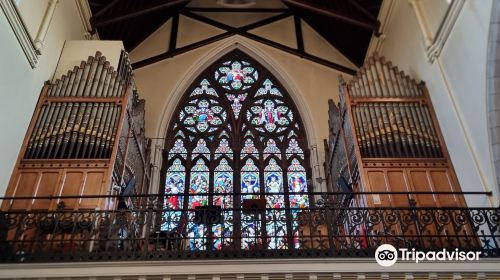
(155, 44)
(457, 85)
(20, 84)
(191, 31)
(435, 11)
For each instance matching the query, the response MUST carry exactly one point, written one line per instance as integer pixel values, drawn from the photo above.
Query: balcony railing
(149, 231)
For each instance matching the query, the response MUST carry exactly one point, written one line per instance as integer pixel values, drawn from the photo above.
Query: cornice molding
(434, 50)
(435, 44)
(384, 17)
(85, 15)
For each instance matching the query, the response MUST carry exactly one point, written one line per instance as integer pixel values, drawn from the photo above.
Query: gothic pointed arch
(236, 134)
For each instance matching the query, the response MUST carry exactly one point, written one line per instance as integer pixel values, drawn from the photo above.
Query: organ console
(86, 136)
(384, 137)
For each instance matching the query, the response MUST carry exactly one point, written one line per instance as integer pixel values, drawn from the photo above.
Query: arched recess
(236, 134)
(259, 55)
(493, 88)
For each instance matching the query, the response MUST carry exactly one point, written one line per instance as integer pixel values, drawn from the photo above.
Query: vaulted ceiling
(346, 24)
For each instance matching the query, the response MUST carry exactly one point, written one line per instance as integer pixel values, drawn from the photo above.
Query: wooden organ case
(384, 137)
(86, 137)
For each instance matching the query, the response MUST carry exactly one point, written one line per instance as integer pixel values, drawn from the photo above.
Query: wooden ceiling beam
(242, 31)
(363, 10)
(295, 52)
(267, 21)
(298, 33)
(206, 20)
(105, 9)
(181, 50)
(226, 27)
(172, 43)
(333, 14)
(104, 22)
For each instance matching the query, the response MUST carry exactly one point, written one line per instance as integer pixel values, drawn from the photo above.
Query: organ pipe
(384, 136)
(68, 127)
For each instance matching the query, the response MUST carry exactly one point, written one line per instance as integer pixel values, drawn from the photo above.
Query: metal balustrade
(146, 230)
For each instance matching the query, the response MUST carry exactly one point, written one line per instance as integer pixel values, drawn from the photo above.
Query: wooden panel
(313, 237)
(72, 185)
(420, 183)
(93, 186)
(49, 185)
(26, 184)
(398, 183)
(442, 183)
(377, 183)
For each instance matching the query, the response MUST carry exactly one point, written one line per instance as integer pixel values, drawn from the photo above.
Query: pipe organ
(384, 137)
(86, 137)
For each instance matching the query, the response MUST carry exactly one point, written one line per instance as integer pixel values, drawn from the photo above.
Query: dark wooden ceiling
(345, 24)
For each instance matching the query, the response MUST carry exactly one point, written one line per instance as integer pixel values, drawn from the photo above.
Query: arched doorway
(236, 137)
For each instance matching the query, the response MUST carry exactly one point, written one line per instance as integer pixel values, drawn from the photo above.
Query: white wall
(20, 85)
(457, 85)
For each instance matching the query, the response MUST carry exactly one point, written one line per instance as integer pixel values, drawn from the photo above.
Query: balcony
(143, 230)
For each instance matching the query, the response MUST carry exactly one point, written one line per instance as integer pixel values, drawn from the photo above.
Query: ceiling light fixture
(236, 3)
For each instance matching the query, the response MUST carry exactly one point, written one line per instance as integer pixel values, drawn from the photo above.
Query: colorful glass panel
(203, 113)
(174, 185)
(297, 183)
(201, 149)
(235, 75)
(249, 149)
(223, 184)
(198, 190)
(236, 102)
(203, 116)
(204, 88)
(268, 117)
(275, 216)
(268, 88)
(271, 149)
(223, 149)
(178, 149)
(250, 224)
(294, 149)
(297, 186)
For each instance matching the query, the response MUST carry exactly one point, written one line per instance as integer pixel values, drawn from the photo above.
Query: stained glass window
(223, 149)
(198, 190)
(251, 230)
(275, 201)
(223, 183)
(174, 186)
(236, 137)
(236, 74)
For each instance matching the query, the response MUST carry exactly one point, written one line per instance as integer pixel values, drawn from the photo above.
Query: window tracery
(236, 136)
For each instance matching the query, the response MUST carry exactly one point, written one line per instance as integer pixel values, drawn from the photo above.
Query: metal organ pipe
(391, 114)
(80, 112)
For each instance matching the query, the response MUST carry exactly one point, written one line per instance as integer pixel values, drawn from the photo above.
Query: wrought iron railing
(155, 233)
